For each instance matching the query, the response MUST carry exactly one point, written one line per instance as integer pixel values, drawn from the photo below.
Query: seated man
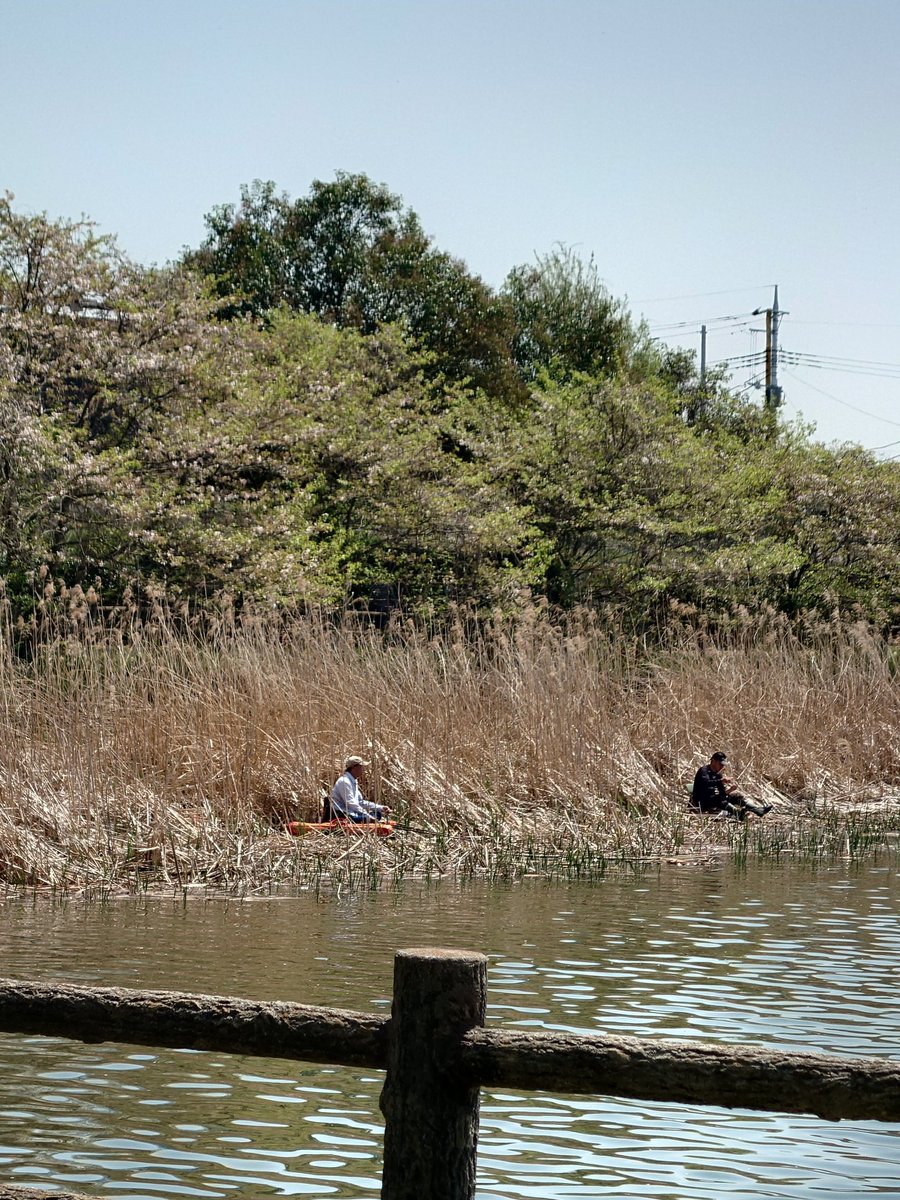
(347, 800)
(714, 792)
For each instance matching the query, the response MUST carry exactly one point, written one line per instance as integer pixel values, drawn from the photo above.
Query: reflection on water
(790, 957)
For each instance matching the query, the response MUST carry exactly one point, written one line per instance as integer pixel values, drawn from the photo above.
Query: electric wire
(853, 324)
(843, 359)
(851, 366)
(698, 322)
(700, 295)
(735, 323)
(846, 403)
(740, 360)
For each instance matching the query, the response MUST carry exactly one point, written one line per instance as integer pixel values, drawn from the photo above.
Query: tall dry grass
(139, 745)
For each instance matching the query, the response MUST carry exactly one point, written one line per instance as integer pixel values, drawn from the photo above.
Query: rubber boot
(756, 810)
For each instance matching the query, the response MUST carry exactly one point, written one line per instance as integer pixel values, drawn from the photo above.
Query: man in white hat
(347, 799)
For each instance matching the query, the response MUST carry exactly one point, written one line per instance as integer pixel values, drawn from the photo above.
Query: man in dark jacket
(714, 792)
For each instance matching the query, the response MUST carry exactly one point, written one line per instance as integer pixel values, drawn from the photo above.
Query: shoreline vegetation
(145, 748)
(327, 492)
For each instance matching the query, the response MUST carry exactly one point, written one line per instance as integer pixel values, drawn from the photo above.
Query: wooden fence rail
(437, 1055)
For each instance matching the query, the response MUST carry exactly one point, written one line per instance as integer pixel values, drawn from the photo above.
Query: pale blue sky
(700, 150)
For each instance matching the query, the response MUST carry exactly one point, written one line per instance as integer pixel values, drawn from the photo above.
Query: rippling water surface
(787, 957)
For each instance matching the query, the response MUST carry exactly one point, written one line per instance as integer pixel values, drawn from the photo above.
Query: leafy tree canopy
(566, 321)
(350, 252)
(305, 456)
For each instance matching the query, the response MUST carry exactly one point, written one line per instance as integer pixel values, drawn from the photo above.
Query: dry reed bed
(137, 752)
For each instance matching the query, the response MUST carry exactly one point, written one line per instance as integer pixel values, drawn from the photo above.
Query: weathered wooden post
(430, 1106)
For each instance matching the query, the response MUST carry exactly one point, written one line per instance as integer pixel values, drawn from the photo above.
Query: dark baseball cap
(719, 756)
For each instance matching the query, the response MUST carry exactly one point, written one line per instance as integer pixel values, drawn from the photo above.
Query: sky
(700, 151)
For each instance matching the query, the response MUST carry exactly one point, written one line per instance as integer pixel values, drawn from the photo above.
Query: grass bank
(140, 748)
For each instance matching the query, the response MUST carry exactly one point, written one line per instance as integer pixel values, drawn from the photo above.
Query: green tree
(324, 253)
(637, 507)
(465, 326)
(98, 356)
(292, 459)
(246, 252)
(605, 468)
(566, 321)
(394, 466)
(322, 465)
(351, 252)
(838, 510)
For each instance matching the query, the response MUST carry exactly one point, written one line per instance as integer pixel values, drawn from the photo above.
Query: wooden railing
(437, 1054)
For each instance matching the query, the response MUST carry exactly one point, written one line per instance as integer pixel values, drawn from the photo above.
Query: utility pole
(773, 391)
(703, 356)
(773, 320)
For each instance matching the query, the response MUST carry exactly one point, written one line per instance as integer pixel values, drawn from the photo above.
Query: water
(785, 957)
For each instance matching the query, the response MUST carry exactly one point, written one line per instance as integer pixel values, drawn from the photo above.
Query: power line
(755, 381)
(747, 365)
(740, 319)
(700, 295)
(845, 403)
(853, 324)
(740, 360)
(845, 366)
(843, 358)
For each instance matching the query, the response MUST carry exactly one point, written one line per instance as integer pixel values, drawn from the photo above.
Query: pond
(784, 956)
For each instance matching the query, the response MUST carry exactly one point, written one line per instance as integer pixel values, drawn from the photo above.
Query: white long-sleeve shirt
(348, 801)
